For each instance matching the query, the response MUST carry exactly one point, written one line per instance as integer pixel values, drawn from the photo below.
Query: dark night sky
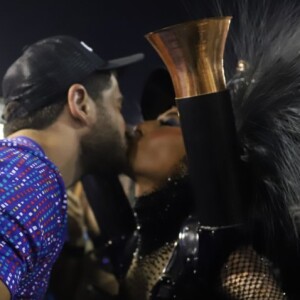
(112, 28)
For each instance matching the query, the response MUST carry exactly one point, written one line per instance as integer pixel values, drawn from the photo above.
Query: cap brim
(123, 61)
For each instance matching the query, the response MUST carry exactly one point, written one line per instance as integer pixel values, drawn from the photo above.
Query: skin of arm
(4, 292)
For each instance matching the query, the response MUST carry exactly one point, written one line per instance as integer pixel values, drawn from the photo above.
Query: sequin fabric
(33, 212)
(146, 270)
(159, 217)
(243, 273)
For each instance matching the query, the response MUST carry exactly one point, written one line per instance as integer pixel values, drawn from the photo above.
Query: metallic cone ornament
(193, 54)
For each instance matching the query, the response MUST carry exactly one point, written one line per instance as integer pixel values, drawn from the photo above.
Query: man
(63, 120)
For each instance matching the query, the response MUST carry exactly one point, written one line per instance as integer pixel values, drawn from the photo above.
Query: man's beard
(104, 152)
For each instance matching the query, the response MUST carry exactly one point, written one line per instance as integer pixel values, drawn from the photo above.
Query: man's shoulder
(18, 162)
(21, 144)
(15, 150)
(22, 158)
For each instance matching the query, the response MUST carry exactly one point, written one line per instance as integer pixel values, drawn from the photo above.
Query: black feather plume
(265, 38)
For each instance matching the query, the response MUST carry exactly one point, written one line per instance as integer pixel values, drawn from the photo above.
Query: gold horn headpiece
(193, 54)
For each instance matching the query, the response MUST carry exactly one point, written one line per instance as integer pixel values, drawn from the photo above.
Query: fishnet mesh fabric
(246, 275)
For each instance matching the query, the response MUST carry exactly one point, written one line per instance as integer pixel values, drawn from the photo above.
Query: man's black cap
(48, 67)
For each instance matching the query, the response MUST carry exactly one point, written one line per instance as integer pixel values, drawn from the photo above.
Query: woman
(171, 257)
(163, 205)
(164, 202)
(265, 251)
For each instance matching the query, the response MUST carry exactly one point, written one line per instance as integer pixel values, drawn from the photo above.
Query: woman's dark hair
(158, 94)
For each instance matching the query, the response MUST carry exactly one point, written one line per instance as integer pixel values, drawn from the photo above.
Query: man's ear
(79, 104)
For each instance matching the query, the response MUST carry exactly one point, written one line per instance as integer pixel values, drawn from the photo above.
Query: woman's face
(157, 148)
